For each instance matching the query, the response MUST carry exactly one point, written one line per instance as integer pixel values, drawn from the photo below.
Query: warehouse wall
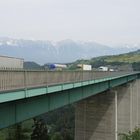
(10, 62)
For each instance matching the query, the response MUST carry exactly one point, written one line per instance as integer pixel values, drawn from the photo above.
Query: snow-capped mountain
(63, 51)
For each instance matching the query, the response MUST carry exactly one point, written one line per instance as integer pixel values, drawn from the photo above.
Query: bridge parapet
(23, 79)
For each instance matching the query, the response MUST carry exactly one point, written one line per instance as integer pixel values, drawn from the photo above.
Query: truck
(57, 66)
(7, 62)
(105, 68)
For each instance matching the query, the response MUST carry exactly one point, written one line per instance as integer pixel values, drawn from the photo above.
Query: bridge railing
(22, 79)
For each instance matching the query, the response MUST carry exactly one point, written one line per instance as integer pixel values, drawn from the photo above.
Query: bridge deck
(20, 90)
(19, 84)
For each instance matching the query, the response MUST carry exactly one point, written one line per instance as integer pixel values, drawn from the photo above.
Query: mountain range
(59, 52)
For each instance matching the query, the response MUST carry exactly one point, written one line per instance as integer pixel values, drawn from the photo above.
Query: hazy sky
(104, 21)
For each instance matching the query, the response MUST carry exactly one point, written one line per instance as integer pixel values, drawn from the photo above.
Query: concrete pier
(104, 116)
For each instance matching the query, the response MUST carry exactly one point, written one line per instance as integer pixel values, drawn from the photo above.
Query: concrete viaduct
(107, 103)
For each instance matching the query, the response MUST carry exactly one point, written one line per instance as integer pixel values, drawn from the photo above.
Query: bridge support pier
(105, 115)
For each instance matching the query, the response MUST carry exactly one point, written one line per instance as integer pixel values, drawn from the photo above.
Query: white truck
(11, 62)
(103, 68)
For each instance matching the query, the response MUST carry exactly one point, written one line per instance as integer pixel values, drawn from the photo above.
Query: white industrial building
(84, 67)
(11, 62)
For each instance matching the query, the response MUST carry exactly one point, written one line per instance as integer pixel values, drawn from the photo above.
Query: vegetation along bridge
(25, 94)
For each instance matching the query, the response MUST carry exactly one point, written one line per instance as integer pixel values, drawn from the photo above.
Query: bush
(57, 136)
(134, 135)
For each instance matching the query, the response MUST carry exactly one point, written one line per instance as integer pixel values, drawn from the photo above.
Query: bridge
(107, 103)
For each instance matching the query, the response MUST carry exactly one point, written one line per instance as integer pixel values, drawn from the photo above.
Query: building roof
(10, 57)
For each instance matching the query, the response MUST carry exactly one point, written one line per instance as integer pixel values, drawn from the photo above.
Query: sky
(103, 21)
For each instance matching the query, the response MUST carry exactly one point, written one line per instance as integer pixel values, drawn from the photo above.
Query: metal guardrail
(23, 79)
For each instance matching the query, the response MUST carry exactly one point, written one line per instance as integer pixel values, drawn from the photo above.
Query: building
(84, 67)
(7, 62)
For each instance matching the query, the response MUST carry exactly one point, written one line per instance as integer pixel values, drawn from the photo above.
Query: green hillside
(31, 65)
(125, 58)
(132, 58)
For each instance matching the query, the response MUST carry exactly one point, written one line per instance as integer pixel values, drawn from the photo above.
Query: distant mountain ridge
(59, 52)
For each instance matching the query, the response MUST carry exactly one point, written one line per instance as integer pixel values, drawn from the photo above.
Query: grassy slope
(126, 58)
